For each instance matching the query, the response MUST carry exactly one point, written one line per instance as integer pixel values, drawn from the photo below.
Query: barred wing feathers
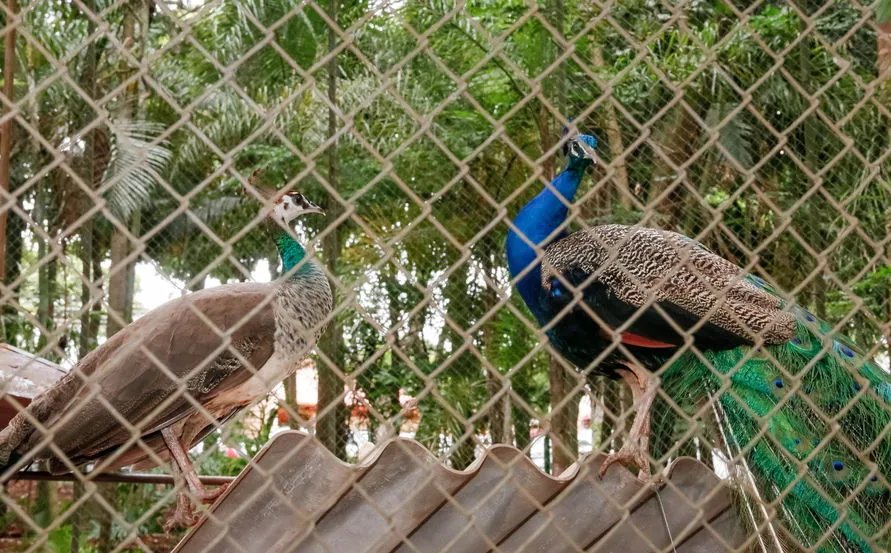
(625, 268)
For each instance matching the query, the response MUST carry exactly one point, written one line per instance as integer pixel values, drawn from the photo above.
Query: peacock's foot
(629, 456)
(184, 515)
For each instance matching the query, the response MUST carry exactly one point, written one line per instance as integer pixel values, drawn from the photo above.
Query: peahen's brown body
(158, 386)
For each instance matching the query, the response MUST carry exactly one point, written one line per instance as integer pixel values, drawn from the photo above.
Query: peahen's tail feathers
(810, 418)
(5, 468)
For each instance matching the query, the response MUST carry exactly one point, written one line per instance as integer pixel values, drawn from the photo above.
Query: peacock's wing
(649, 277)
(133, 380)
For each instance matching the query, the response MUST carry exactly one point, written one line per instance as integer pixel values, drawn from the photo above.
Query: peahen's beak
(313, 208)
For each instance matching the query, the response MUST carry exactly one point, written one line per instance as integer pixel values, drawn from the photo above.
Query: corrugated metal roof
(23, 376)
(298, 498)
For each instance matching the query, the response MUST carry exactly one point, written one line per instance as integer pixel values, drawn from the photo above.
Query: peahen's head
(290, 205)
(282, 207)
(580, 152)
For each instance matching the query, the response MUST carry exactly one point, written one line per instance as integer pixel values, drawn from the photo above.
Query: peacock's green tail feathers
(810, 418)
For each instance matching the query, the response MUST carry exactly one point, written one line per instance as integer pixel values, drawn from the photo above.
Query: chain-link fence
(163, 319)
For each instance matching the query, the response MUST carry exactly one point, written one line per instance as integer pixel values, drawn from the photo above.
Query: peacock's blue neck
(537, 222)
(292, 253)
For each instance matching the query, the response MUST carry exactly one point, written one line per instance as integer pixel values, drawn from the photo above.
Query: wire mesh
(140, 142)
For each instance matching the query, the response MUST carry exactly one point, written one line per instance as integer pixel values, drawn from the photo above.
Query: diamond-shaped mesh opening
(384, 45)
(384, 124)
(495, 89)
(450, 34)
(874, 149)
(641, 19)
(476, 129)
(476, 212)
(412, 165)
(531, 46)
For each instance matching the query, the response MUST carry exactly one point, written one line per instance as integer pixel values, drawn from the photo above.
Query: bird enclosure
(221, 220)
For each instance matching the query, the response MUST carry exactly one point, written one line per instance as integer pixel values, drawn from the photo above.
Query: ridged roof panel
(298, 498)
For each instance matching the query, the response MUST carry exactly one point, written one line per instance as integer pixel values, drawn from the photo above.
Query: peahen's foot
(184, 515)
(209, 496)
(183, 469)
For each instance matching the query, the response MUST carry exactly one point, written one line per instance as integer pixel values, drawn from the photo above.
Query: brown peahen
(157, 387)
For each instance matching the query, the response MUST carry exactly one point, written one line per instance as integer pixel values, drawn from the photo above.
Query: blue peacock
(805, 411)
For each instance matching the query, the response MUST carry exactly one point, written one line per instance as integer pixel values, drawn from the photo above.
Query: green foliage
(883, 11)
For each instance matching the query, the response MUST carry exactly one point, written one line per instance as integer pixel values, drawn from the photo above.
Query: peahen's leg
(636, 449)
(182, 466)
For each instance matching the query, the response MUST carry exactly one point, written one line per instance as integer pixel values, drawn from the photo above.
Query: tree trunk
(884, 51)
(135, 230)
(499, 431)
(546, 140)
(86, 259)
(331, 419)
(9, 63)
(13, 333)
(613, 405)
(290, 403)
(120, 288)
(463, 452)
(273, 266)
(616, 144)
(87, 172)
(198, 285)
(13, 262)
(46, 278)
(812, 162)
(499, 411)
(563, 433)
(77, 518)
(599, 422)
(117, 284)
(521, 427)
(564, 418)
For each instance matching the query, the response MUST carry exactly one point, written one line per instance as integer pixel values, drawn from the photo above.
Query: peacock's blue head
(580, 152)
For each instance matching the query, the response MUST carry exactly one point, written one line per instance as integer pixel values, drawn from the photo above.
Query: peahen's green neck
(292, 253)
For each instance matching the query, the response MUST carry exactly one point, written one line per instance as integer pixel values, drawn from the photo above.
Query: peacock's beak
(580, 148)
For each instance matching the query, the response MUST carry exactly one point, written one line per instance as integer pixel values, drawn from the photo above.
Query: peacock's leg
(636, 449)
(185, 515)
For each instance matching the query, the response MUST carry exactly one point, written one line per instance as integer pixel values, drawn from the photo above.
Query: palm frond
(136, 160)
